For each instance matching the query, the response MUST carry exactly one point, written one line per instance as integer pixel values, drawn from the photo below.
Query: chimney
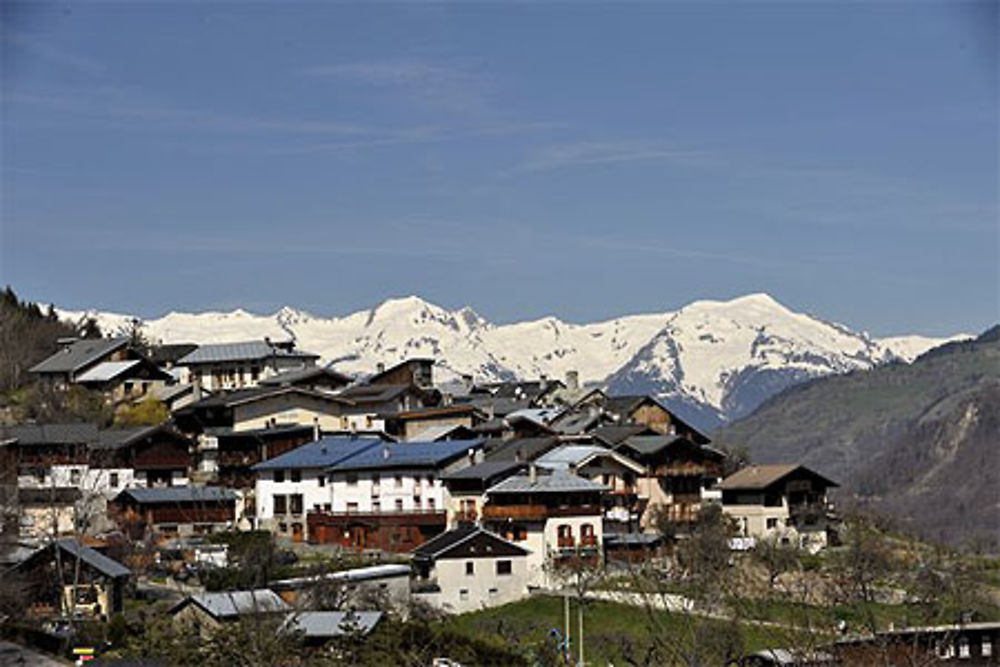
(315, 428)
(380, 367)
(468, 382)
(517, 455)
(472, 456)
(572, 380)
(532, 473)
(386, 452)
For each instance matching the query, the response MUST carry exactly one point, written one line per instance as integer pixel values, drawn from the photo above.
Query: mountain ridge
(713, 359)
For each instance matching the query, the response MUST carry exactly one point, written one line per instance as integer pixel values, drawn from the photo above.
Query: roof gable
(468, 541)
(79, 354)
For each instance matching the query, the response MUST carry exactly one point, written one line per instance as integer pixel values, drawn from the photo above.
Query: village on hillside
(241, 484)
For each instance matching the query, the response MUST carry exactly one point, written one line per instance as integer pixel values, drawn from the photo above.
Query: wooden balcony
(537, 512)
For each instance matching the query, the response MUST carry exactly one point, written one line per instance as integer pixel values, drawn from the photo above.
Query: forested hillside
(919, 442)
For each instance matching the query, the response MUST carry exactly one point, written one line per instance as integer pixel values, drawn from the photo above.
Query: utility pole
(569, 651)
(579, 612)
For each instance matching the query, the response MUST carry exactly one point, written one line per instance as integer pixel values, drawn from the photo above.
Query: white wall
(485, 588)
(414, 490)
(313, 494)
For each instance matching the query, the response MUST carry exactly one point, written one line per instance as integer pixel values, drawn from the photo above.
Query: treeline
(28, 335)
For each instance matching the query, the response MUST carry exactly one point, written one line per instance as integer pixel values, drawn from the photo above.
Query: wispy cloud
(429, 84)
(591, 153)
(53, 53)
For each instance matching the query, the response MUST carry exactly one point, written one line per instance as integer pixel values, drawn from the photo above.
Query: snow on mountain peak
(721, 356)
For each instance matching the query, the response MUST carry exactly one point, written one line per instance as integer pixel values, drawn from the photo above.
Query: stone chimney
(532, 473)
(380, 367)
(572, 380)
(315, 428)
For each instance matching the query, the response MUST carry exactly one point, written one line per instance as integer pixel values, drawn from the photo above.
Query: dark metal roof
(613, 435)
(79, 354)
(445, 542)
(306, 374)
(322, 453)
(116, 438)
(95, 559)
(51, 434)
(486, 470)
(162, 354)
(179, 494)
(525, 449)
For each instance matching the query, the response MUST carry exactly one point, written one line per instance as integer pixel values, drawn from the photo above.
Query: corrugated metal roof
(322, 453)
(569, 455)
(333, 623)
(557, 482)
(79, 354)
(180, 494)
(235, 603)
(408, 455)
(243, 351)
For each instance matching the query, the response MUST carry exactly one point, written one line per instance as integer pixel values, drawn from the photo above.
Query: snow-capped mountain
(712, 361)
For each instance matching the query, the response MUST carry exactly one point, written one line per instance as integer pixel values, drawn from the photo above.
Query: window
(399, 480)
(503, 567)
(376, 506)
(376, 479)
(987, 648)
(296, 475)
(296, 503)
(321, 480)
(772, 523)
(493, 592)
(470, 568)
(280, 504)
(963, 647)
(352, 507)
(283, 527)
(74, 476)
(430, 480)
(430, 504)
(351, 479)
(327, 506)
(368, 421)
(114, 480)
(317, 507)
(279, 475)
(254, 373)
(399, 504)
(463, 594)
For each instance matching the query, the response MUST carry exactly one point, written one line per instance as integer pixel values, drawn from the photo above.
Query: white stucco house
(469, 568)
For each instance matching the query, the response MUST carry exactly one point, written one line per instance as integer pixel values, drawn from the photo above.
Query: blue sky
(583, 160)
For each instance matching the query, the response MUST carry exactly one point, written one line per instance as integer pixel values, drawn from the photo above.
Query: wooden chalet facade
(173, 511)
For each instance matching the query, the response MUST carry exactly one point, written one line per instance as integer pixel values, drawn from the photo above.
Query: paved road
(12, 655)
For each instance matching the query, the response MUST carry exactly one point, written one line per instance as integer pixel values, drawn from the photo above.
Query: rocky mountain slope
(712, 361)
(919, 442)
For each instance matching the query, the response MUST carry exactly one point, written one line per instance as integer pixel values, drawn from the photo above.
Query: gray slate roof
(95, 559)
(323, 624)
(230, 604)
(79, 354)
(180, 494)
(116, 438)
(44, 434)
(445, 542)
(557, 482)
(486, 470)
(245, 351)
